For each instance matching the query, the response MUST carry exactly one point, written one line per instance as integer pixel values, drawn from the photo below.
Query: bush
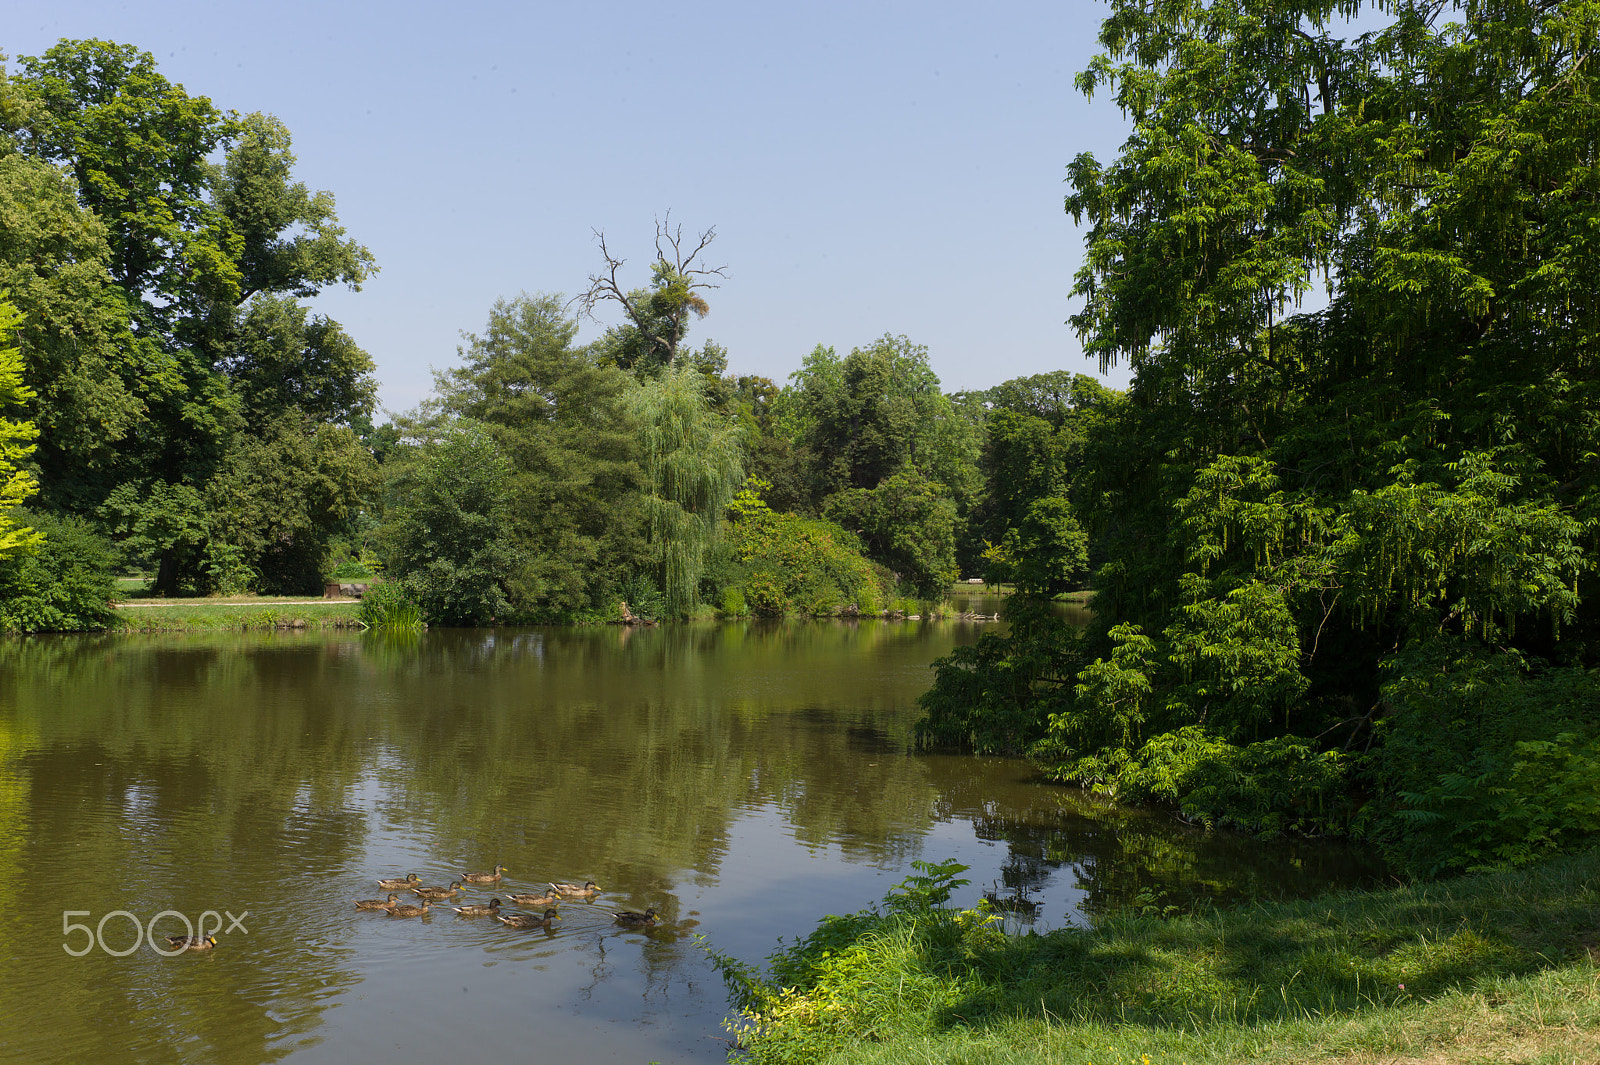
(785, 563)
(64, 584)
(391, 605)
(1270, 788)
(1486, 761)
(864, 975)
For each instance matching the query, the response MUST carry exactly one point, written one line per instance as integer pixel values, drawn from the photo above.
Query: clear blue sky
(869, 167)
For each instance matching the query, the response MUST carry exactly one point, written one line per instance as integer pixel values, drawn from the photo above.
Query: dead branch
(662, 322)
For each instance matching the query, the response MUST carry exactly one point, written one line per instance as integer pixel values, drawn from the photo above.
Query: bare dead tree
(661, 312)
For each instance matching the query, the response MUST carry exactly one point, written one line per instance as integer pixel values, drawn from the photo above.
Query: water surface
(742, 779)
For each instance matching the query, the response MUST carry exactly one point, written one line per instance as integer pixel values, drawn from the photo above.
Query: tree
(908, 524)
(16, 484)
(93, 379)
(883, 444)
(1032, 454)
(657, 316)
(137, 146)
(1294, 504)
(173, 327)
(448, 528)
(560, 418)
(692, 467)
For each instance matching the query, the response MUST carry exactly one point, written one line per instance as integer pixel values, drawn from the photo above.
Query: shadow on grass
(1334, 955)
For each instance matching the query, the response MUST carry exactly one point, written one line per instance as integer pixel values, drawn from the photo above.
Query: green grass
(179, 615)
(1493, 968)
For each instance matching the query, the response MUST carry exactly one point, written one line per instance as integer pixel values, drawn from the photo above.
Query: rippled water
(741, 779)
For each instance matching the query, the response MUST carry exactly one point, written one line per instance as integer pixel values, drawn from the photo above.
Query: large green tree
(1294, 502)
(448, 533)
(1033, 451)
(159, 316)
(880, 444)
(560, 418)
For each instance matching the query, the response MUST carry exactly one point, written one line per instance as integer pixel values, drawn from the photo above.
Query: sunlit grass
(260, 613)
(1491, 968)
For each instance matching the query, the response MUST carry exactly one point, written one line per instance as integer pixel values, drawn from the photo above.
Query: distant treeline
(176, 409)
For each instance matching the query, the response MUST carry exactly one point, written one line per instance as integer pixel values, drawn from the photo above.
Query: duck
(411, 880)
(635, 919)
(377, 904)
(484, 878)
(405, 909)
(527, 899)
(589, 889)
(449, 892)
(491, 910)
(528, 920)
(192, 942)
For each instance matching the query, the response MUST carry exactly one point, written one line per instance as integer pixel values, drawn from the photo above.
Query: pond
(741, 779)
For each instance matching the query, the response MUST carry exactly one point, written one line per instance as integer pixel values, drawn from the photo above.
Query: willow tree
(693, 463)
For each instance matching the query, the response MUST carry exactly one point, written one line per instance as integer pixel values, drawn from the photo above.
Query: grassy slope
(1493, 968)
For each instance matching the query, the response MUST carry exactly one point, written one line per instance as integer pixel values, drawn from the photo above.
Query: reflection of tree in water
(1122, 858)
(625, 756)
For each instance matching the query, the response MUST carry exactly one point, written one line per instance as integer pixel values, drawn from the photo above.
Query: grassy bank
(1492, 968)
(182, 615)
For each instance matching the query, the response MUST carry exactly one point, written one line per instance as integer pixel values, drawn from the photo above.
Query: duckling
(438, 892)
(484, 878)
(411, 880)
(635, 919)
(527, 899)
(491, 910)
(405, 909)
(377, 904)
(192, 942)
(589, 889)
(528, 920)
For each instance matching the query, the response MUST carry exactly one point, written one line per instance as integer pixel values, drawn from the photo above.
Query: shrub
(1277, 786)
(64, 584)
(1487, 760)
(391, 605)
(783, 563)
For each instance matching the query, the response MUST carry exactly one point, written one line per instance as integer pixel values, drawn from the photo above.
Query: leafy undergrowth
(1496, 967)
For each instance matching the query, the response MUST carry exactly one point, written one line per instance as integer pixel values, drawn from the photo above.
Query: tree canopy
(1303, 492)
(164, 345)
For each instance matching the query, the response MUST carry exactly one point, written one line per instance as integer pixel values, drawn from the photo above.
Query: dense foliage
(16, 442)
(156, 246)
(560, 419)
(62, 582)
(1302, 512)
(782, 564)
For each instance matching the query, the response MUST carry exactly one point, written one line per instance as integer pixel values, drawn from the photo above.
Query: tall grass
(390, 605)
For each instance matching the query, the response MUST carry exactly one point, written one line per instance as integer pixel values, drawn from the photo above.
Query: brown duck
(405, 909)
(438, 892)
(528, 920)
(484, 878)
(491, 910)
(377, 904)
